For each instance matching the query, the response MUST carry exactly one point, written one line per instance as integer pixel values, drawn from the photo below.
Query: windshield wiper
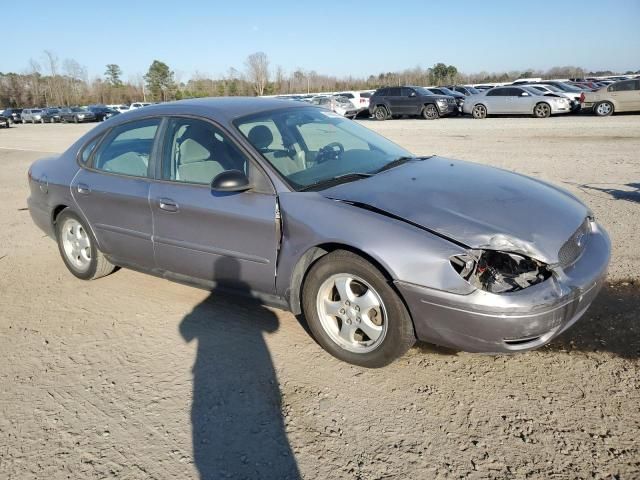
(338, 179)
(399, 161)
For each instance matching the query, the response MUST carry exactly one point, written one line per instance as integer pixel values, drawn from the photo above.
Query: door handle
(168, 205)
(83, 189)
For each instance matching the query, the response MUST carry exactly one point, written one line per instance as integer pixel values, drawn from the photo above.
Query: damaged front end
(499, 272)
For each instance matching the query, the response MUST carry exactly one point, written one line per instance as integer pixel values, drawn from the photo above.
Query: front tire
(430, 112)
(542, 110)
(354, 313)
(75, 119)
(603, 109)
(78, 248)
(479, 112)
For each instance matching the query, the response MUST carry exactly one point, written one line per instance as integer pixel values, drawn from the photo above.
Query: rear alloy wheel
(380, 113)
(542, 110)
(603, 109)
(78, 248)
(24, 121)
(479, 112)
(53, 120)
(354, 313)
(41, 120)
(75, 119)
(430, 112)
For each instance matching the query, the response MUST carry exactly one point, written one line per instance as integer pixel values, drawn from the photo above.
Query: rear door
(496, 101)
(226, 239)
(113, 192)
(625, 95)
(394, 99)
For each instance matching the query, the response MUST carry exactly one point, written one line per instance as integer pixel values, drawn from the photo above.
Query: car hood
(472, 204)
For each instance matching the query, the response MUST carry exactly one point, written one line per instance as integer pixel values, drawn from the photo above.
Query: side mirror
(230, 181)
(412, 94)
(524, 94)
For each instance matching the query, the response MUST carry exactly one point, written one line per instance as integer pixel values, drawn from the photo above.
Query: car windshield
(53, 110)
(36, 111)
(532, 90)
(78, 109)
(342, 100)
(553, 88)
(446, 91)
(472, 90)
(422, 91)
(313, 148)
(568, 88)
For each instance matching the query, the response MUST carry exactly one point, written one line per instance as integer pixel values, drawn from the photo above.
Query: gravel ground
(134, 377)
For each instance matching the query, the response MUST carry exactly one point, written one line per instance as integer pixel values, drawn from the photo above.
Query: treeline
(66, 82)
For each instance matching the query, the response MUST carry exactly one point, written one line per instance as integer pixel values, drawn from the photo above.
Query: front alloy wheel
(430, 112)
(542, 110)
(353, 311)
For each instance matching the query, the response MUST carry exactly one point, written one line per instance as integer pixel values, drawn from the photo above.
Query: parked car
(465, 89)
(391, 102)
(375, 245)
(50, 115)
(102, 113)
(360, 100)
(339, 105)
(119, 108)
(32, 115)
(459, 97)
(76, 115)
(13, 114)
(515, 100)
(621, 96)
(135, 105)
(4, 121)
(574, 97)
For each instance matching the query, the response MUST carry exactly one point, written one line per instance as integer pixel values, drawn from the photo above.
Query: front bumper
(448, 109)
(509, 322)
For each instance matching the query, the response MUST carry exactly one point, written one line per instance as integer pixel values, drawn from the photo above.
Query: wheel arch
(310, 257)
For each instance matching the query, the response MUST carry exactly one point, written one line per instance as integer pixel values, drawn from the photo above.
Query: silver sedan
(303, 209)
(512, 100)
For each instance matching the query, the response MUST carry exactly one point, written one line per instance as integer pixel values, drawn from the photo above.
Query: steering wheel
(331, 151)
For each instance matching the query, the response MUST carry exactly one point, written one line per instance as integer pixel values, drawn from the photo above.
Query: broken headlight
(499, 272)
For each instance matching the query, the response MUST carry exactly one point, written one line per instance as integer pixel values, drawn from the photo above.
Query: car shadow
(237, 425)
(631, 193)
(610, 325)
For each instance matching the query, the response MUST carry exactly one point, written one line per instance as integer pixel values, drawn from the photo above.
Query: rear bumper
(523, 320)
(40, 215)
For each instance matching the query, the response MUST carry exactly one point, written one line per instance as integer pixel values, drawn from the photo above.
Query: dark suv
(13, 114)
(389, 102)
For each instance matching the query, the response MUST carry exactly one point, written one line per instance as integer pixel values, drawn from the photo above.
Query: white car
(119, 108)
(135, 105)
(359, 99)
(337, 104)
(574, 97)
(511, 100)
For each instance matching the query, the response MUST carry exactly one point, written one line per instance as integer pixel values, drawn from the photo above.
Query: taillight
(582, 97)
(362, 100)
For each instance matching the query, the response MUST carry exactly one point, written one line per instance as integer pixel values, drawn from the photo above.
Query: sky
(340, 38)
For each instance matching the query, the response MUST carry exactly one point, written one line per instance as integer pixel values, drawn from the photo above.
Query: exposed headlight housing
(499, 272)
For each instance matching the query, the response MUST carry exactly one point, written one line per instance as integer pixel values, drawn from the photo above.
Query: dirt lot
(135, 377)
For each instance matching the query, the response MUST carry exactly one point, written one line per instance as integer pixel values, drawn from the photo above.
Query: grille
(573, 247)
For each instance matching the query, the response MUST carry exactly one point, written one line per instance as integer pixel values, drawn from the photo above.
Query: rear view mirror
(230, 181)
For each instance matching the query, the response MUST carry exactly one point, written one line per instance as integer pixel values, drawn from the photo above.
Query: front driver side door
(216, 239)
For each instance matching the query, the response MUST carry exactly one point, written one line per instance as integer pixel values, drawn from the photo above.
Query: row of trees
(65, 82)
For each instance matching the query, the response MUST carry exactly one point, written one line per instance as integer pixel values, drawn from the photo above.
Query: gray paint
(409, 221)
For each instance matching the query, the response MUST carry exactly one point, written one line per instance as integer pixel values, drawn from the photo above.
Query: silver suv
(32, 115)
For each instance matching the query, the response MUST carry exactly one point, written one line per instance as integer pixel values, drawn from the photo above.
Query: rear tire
(430, 112)
(78, 248)
(603, 109)
(542, 110)
(380, 113)
(354, 313)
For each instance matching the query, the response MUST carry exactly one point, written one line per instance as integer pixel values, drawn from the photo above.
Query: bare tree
(258, 71)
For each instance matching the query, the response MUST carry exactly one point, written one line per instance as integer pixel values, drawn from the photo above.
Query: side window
(406, 92)
(394, 92)
(515, 92)
(196, 151)
(127, 149)
(623, 86)
(495, 92)
(88, 149)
